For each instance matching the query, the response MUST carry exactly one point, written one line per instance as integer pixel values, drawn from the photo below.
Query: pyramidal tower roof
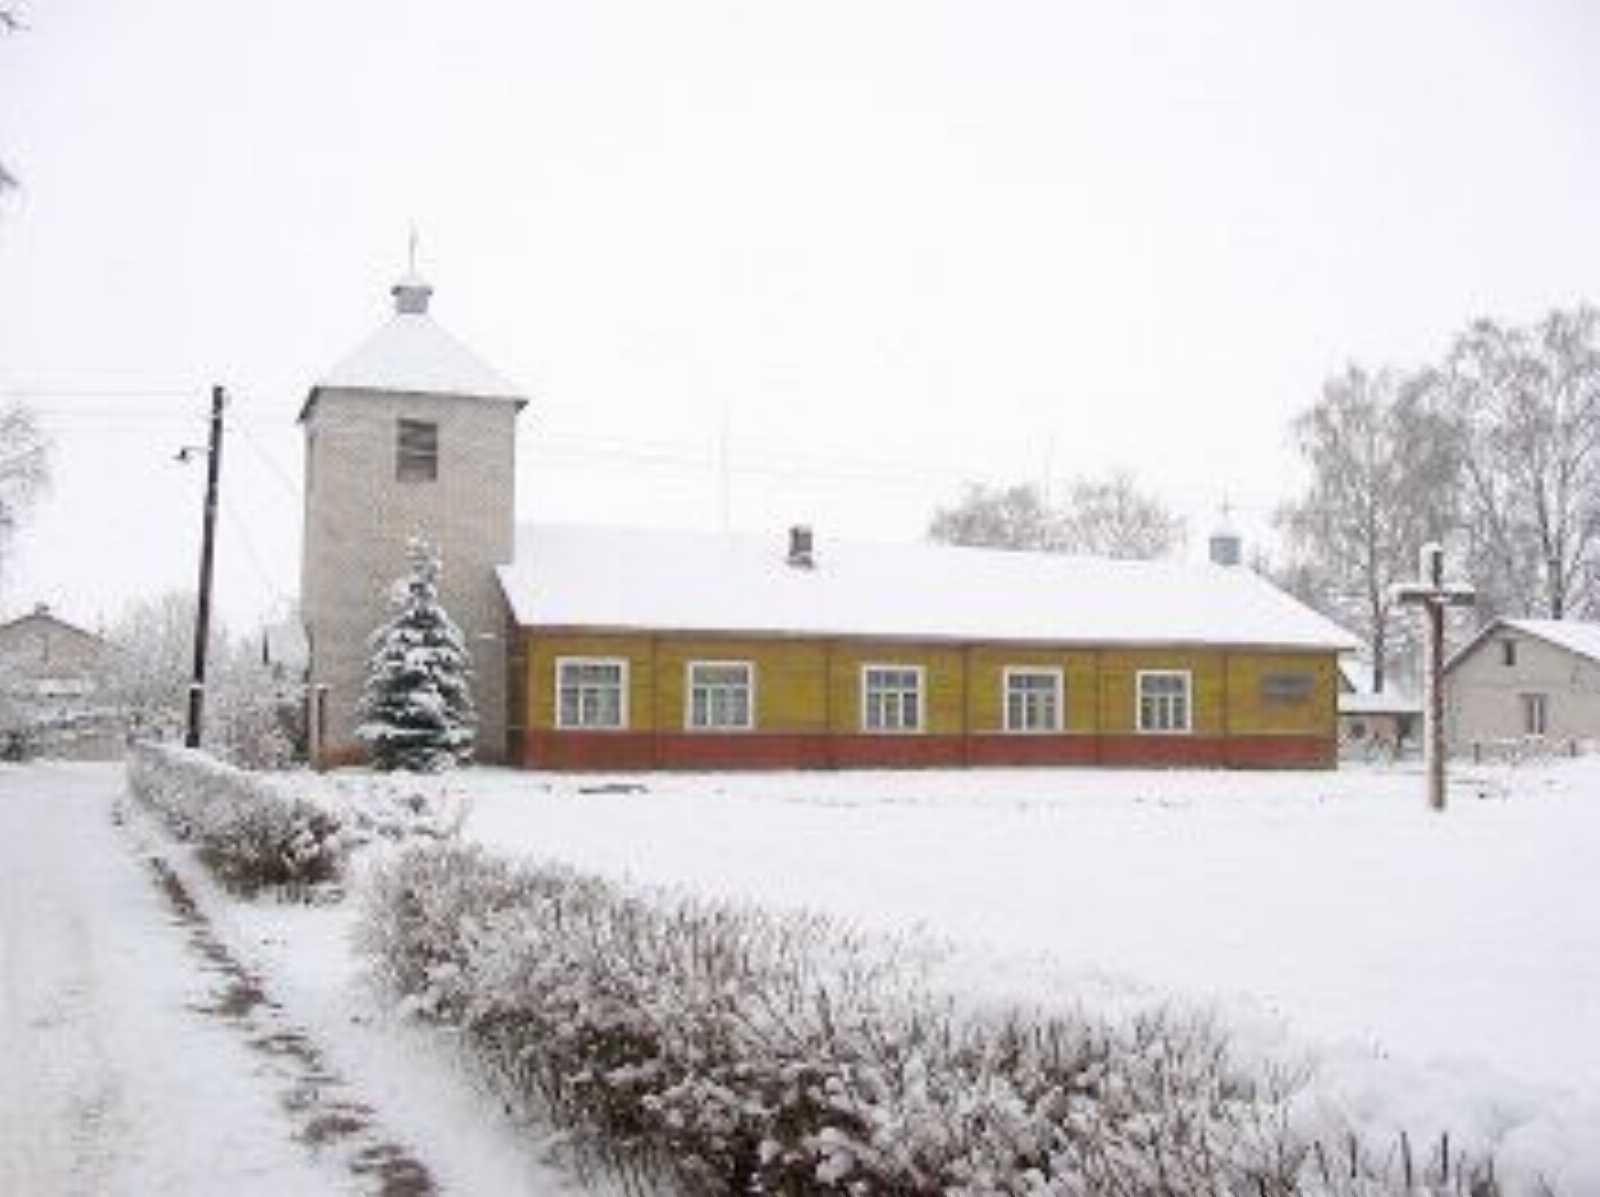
(413, 355)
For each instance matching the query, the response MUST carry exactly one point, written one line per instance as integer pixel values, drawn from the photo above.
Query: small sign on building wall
(1284, 689)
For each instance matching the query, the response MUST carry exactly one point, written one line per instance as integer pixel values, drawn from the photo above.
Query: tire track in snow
(327, 1116)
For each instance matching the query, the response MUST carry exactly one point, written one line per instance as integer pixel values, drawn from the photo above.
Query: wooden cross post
(1433, 594)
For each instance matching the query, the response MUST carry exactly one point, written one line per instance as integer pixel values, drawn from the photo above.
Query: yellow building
(611, 648)
(645, 649)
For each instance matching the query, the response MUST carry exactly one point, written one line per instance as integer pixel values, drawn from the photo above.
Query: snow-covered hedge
(738, 1051)
(290, 829)
(250, 829)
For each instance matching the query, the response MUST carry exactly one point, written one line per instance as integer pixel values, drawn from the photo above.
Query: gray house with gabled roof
(1522, 678)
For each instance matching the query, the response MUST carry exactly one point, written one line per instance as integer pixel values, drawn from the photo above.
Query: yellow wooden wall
(813, 685)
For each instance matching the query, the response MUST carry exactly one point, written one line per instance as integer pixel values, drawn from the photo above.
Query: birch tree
(1383, 461)
(1528, 404)
(24, 467)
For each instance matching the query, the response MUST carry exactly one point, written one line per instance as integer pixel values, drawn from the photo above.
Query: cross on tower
(1433, 594)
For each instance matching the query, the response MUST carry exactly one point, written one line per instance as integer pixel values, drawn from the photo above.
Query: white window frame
(688, 697)
(622, 704)
(1535, 702)
(921, 672)
(1056, 675)
(1188, 702)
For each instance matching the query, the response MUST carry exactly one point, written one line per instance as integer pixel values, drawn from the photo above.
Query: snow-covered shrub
(736, 1051)
(251, 830)
(397, 807)
(254, 721)
(417, 711)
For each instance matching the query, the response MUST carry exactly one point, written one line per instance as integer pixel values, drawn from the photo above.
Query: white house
(1525, 677)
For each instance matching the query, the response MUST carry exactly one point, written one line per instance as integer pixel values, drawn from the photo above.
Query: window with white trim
(1033, 699)
(1164, 700)
(721, 696)
(891, 698)
(592, 692)
(1535, 714)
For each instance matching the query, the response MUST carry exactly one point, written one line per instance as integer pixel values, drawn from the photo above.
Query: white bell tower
(411, 435)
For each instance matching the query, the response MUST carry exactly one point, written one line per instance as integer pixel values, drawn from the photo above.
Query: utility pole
(208, 532)
(1433, 594)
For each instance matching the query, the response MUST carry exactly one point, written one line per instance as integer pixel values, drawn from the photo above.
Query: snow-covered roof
(1385, 702)
(1355, 674)
(1581, 638)
(622, 578)
(413, 354)
(41, 615)
(1571, 634)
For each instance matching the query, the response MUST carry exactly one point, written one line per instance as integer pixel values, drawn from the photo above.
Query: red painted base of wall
(564, 750)
(339, 756)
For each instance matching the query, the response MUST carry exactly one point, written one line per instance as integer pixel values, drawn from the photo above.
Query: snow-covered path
(112, 1081)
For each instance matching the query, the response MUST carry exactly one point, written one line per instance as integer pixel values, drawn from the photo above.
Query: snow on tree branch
(417, 709)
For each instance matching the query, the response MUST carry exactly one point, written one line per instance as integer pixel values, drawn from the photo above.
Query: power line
(273, 468)
(102, 392)
(748, 460)
(237, 525)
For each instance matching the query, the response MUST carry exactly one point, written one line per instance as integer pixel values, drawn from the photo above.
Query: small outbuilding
(1375, 722)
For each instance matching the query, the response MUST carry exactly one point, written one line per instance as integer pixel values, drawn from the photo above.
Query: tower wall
(359, 517)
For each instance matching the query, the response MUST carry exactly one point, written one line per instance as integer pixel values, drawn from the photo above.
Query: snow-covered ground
(111, 1081)
(135, 1060)
(1444, 970)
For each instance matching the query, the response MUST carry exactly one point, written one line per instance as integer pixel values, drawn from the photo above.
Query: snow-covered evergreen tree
(417, 711)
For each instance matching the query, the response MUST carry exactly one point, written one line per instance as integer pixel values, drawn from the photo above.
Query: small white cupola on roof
(411, 294)
(1226, 545)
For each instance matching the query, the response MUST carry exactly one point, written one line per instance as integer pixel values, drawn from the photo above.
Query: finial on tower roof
(412, 291)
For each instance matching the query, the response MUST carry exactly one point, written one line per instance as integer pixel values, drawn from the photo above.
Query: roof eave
(519, 401)
(1073, 643)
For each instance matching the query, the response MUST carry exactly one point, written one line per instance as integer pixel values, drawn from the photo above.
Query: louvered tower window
(417, 451)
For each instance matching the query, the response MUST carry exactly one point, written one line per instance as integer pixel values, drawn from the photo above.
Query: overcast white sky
(888, 246)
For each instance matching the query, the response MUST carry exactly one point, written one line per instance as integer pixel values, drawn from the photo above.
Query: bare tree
(1011, 517)
(24, 467)
(1109, 517)
(1383, 462)
(150, 671)
(1528, 404)
(1106, 517)
(252, 716)
(10, 22)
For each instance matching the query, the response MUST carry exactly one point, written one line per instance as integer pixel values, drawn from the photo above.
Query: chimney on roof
(41, 608)
(802, 554)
